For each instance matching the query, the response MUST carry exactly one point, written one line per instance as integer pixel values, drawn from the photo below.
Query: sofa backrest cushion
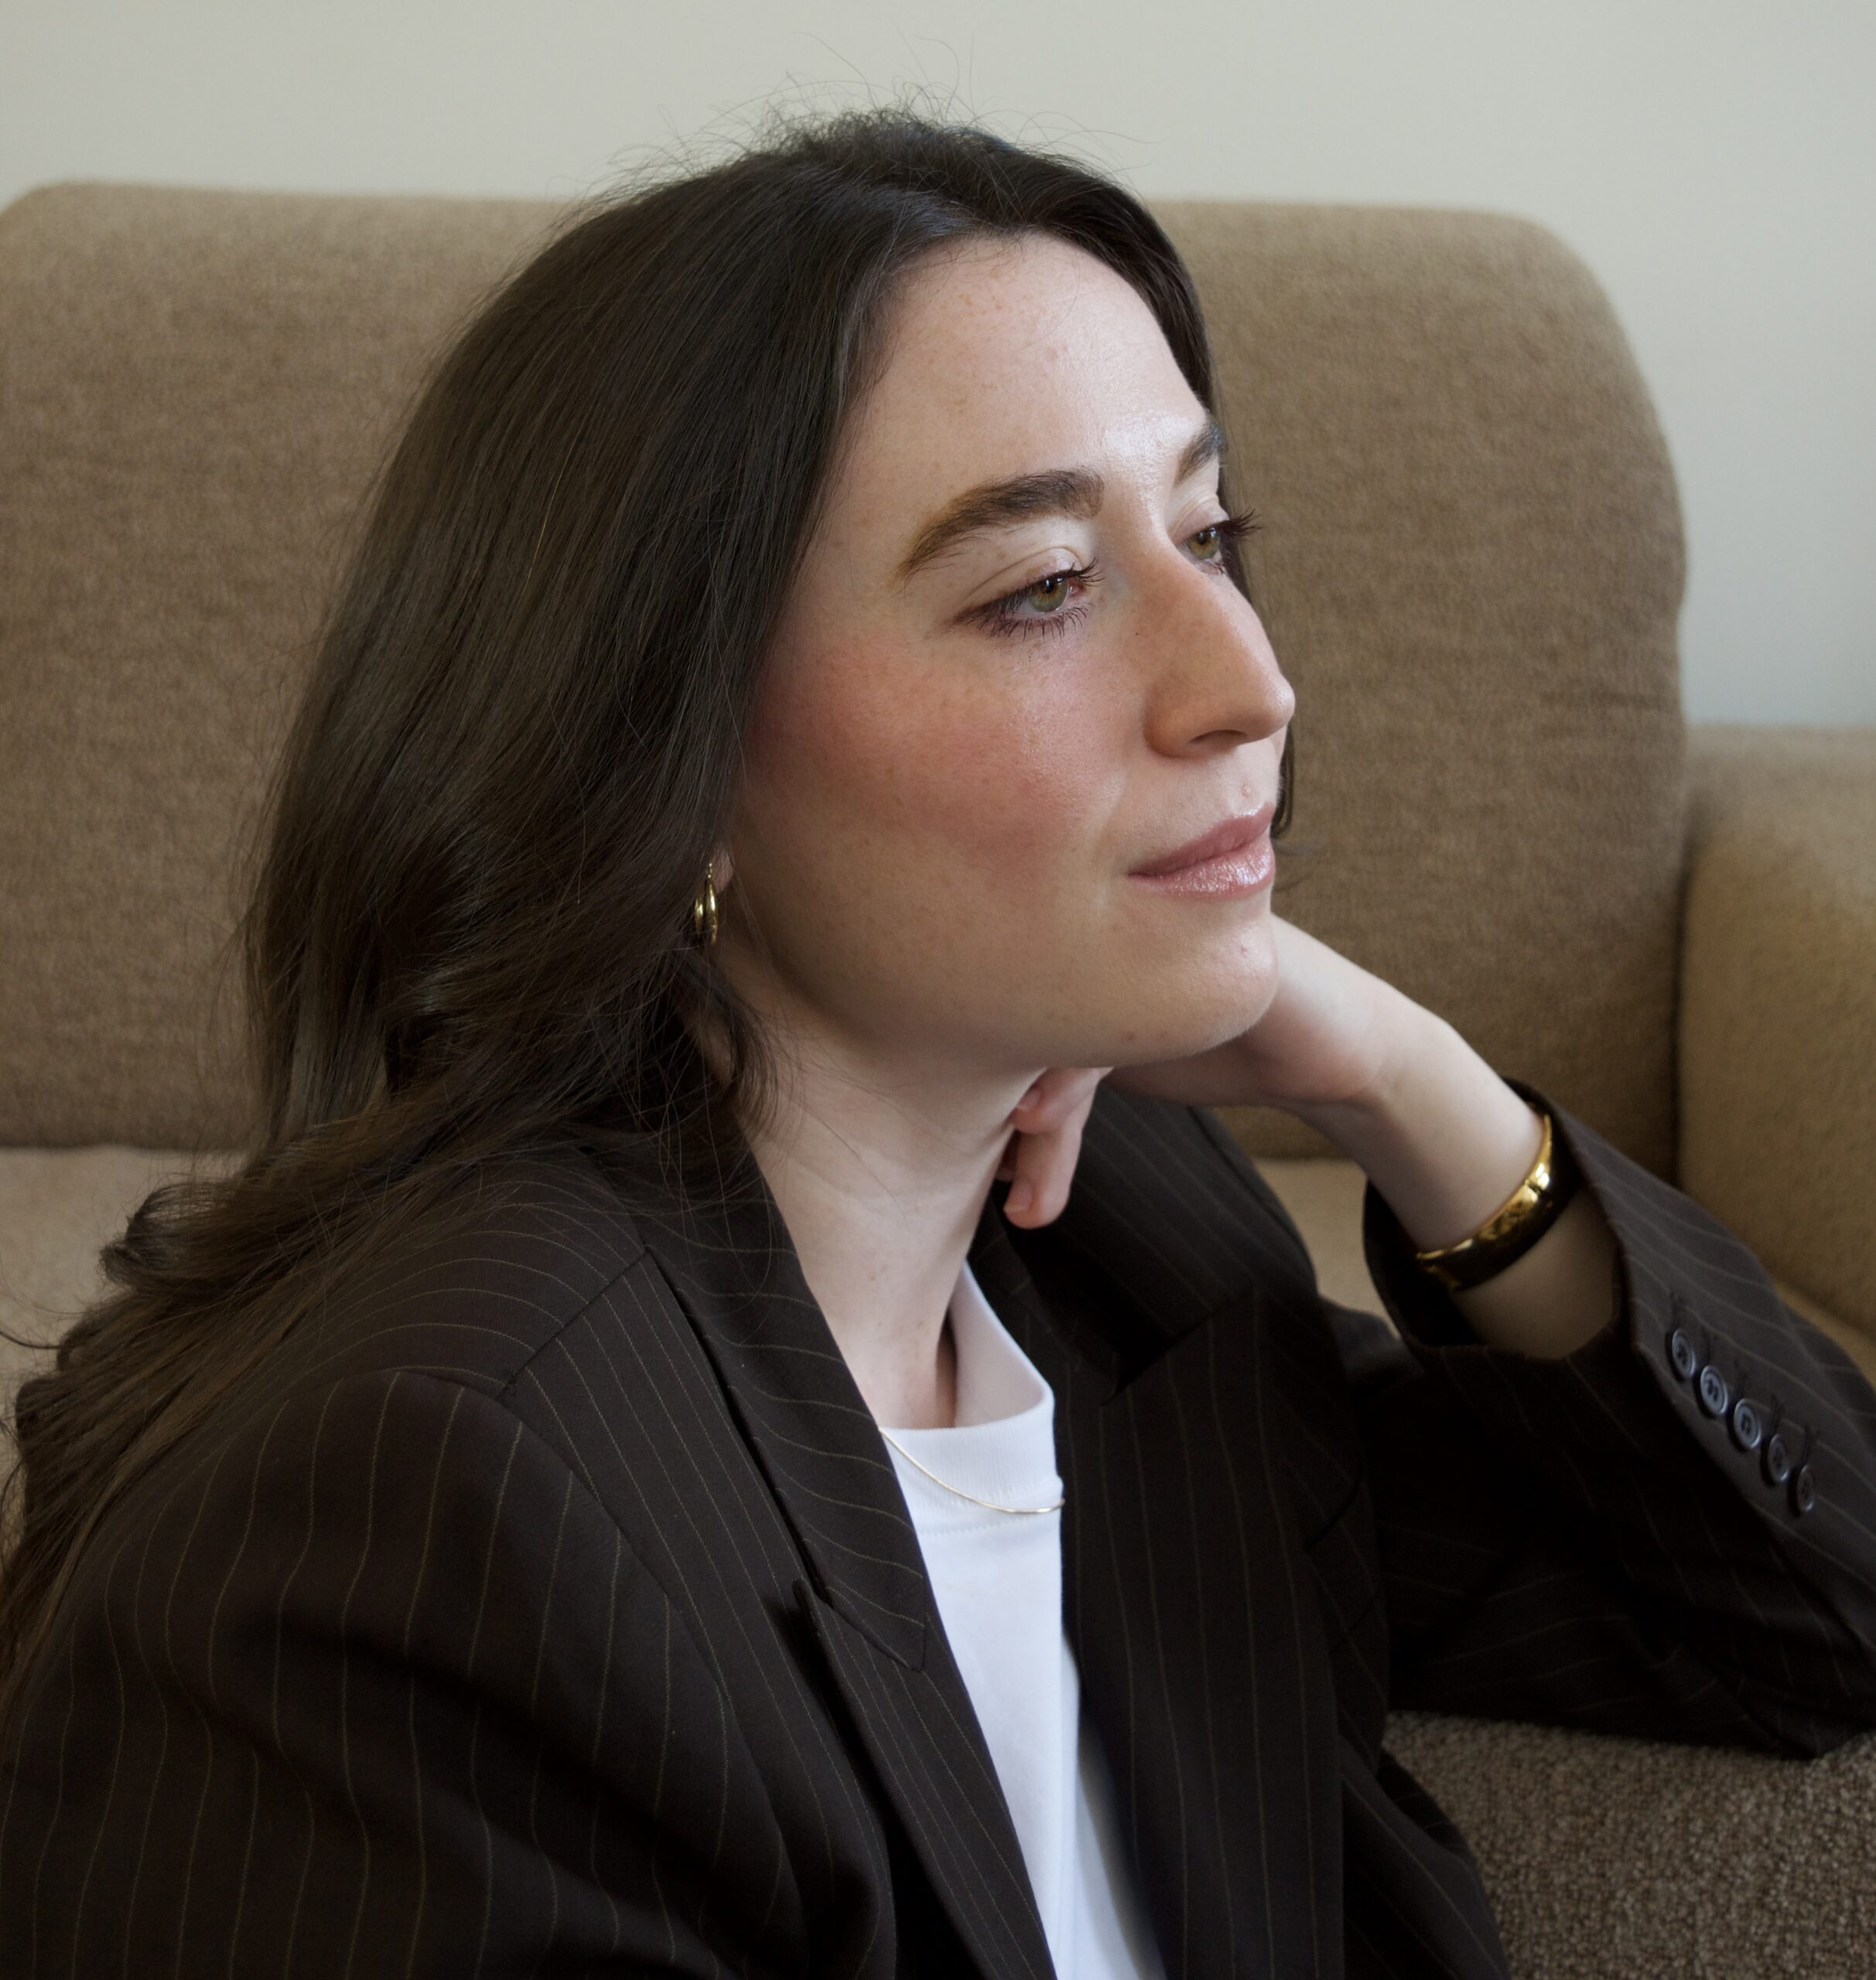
(1471, 569)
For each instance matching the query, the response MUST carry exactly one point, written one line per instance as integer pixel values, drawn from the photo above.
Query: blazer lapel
(1203, 1662)
(734, 1269)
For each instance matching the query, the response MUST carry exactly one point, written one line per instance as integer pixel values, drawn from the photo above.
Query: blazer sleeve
(1602, 1540)
(379, 1689)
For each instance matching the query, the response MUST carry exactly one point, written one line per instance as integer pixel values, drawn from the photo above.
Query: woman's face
(952, 770)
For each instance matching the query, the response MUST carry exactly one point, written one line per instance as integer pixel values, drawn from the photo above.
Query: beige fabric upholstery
(1472, 561)
(1608, 1859)
(1777, 1006)
(196, 386)
(59, 1208)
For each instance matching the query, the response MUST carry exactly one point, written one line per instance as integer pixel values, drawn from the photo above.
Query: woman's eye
(1048, 592)
(1227, 532)
(1044, 605)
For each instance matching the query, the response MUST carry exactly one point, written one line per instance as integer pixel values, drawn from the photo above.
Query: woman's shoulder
(471, 1291)
(408, 1361)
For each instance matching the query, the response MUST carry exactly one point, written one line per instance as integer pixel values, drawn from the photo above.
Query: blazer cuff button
(1748, 1430)
(1777, 1459)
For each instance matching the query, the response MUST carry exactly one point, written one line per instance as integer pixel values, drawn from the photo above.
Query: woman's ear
(723, 865)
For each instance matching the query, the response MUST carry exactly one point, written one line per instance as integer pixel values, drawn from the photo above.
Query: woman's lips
(1223, 877)
(1236, 857)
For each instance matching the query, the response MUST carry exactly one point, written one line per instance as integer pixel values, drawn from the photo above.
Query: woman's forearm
(1445, 1141)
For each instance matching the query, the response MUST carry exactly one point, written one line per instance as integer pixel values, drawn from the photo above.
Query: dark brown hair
(468, 931)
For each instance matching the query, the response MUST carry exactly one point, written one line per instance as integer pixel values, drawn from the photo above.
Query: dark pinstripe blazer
(552, 1607)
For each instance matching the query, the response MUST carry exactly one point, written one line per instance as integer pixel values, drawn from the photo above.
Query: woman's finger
(1046, 1163)
(1042, 1154)
(1057, 1094)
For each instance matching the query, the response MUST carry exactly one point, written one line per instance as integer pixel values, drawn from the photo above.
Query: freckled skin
(937, 821)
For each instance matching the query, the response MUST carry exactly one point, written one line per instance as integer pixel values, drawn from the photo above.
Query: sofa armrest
(1777, 1025)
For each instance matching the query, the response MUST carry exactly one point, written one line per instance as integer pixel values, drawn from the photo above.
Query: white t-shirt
(997, 1578)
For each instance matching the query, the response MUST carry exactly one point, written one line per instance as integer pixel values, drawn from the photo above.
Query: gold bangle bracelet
(1513, 1227)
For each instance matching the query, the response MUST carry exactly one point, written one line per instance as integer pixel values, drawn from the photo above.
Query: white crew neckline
(996, 1578)
(1002, 1445)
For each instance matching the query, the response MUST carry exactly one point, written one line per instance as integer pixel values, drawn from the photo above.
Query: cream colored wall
(1713, 160)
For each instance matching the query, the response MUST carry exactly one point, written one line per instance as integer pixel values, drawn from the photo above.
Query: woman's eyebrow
(1055, 491)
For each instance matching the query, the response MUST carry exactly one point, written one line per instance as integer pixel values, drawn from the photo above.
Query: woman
(611, 1486)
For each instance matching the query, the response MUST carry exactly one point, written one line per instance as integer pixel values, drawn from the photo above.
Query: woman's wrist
(1446, 1141)
(1440, 1136)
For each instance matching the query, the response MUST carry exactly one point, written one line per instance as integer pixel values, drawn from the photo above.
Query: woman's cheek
(872, 750)
(1010, 756)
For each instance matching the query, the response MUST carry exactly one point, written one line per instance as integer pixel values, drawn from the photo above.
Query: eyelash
(1000, 616)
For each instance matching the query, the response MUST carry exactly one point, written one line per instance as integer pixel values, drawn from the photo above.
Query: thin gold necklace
(961, 1493)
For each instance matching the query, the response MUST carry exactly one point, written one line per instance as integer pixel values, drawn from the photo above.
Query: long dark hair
(468, 933)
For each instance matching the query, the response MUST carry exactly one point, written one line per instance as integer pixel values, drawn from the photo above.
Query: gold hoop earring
(704, 907)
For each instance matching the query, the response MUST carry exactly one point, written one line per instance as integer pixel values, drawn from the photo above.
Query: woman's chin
(1183, 1023)
(1223, 986)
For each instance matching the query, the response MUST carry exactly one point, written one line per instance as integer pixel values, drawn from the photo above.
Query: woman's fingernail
(1032, 1096)
(1022, 1194)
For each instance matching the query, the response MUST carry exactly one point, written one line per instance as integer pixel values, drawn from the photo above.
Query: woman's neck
(881, 1172)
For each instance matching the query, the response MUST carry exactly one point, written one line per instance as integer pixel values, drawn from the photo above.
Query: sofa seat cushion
(59, 1208)
(1604, 1856)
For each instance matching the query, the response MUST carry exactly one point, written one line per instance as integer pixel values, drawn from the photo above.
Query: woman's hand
(1040, 1156)
(1331, 1035)
(1440, 1133)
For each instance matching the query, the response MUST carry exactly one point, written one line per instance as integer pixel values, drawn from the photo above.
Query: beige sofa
(1472, 567)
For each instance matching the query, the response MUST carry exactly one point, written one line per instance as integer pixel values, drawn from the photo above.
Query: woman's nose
(1214, 677)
